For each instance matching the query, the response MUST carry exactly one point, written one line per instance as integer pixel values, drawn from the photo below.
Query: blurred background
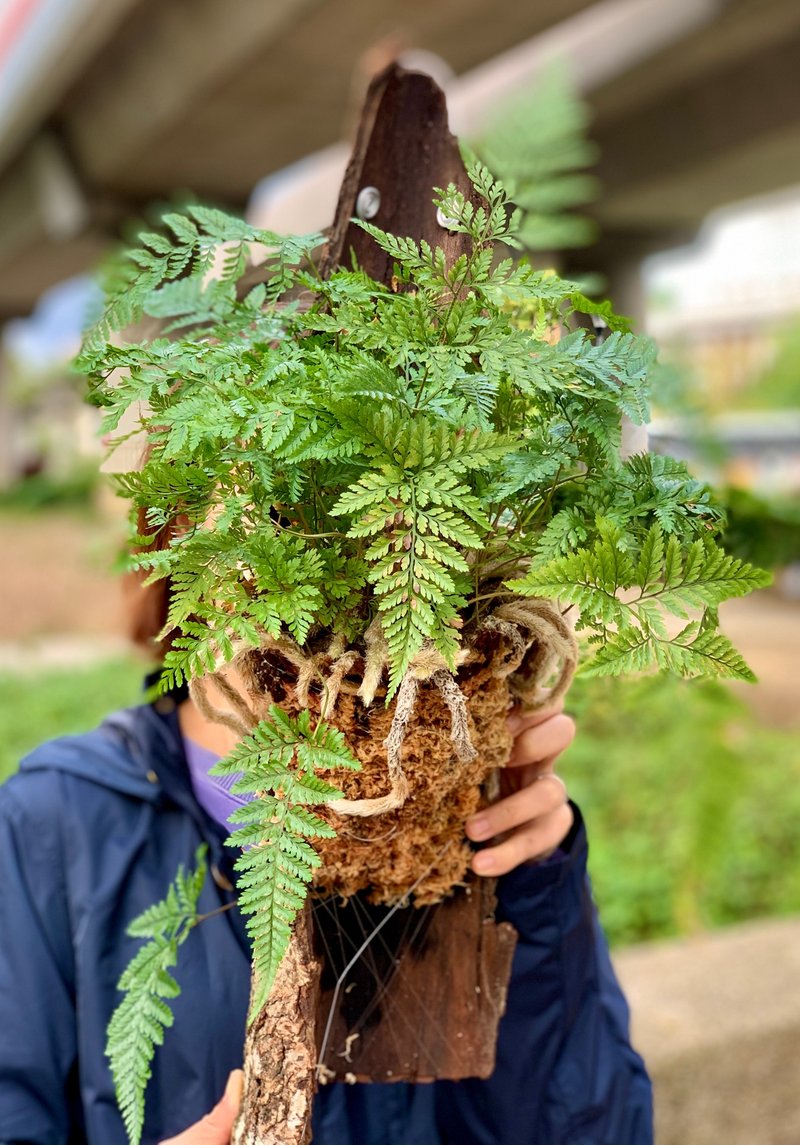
(655, 145)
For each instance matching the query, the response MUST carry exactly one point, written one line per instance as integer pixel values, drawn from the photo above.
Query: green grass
(37, 707)
(43, 491)
(692, 806)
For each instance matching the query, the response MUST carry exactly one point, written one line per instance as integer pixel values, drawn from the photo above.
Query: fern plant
(138, 1023)
(337, 451)
(278, 765)
(338, 448)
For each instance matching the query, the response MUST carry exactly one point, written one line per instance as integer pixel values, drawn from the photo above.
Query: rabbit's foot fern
(138, 1023)
(277, 765)
(625, 591)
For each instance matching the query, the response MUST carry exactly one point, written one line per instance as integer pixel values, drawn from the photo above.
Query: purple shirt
(212, 791)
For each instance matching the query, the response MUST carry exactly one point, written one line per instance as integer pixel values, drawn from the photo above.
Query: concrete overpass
(107, 105)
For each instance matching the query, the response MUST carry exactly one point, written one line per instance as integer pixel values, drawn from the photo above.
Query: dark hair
(149, 604)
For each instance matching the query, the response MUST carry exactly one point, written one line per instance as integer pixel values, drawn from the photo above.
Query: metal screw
(368, 202)
(444, 220)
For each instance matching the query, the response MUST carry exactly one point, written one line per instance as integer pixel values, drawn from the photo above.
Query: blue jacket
(94, 827)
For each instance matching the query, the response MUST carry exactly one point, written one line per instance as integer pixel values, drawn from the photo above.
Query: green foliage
(56, 702)
(138, 1023)
(630, 625)
(339, 449)
(692, 804)
(42, 491)
(278, 765)
(763, 529)
(537, 146)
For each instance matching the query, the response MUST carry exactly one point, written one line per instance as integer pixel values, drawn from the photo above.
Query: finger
(531, 802)
(533, 841)
(543, 741)
(519, 720)
(217, 1126)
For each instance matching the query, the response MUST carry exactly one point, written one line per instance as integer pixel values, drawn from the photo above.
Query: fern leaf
(138, 1023)
(700, 650)
(587, 578)
(630, 651)
(704, 578)
(278, 761)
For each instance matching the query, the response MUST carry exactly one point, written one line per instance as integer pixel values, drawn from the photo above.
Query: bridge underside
(182, 97)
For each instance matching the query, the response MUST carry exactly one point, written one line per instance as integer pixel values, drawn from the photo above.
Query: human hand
(216, 1127)
(532, 814)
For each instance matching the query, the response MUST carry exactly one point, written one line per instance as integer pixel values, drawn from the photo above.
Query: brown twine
(551, 647)
(198, 691)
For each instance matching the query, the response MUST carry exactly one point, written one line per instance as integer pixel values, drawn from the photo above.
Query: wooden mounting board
(436, 1015)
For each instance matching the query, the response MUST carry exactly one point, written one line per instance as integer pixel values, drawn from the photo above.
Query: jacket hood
(119, 753)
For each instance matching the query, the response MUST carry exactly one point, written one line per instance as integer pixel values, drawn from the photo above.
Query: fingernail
(234, 1087)
(483, 862)
(478, 828)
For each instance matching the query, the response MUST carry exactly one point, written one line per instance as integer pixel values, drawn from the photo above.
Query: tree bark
(280, 1051)
(435, 1013)
(403, 150)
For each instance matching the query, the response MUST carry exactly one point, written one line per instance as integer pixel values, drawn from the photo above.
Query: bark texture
(404, 149)
(427, 1001)
(280, 1051)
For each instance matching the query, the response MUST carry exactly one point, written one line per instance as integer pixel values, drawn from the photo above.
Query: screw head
(368, 202)
(444, 220)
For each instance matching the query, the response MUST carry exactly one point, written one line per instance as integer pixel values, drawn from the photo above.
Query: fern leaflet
(278, 762)
(601, 582)
(138, 1023)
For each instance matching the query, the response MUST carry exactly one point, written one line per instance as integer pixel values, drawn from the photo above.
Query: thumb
(216, 1127)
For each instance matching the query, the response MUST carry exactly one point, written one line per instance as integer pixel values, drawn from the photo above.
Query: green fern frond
(602, 581)
(697, 650)
(279, 762)
(138, 1023)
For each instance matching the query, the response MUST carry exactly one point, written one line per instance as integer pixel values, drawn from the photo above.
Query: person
(92, 829)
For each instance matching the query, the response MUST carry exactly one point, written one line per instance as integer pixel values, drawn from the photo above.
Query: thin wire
(337, 988)
(418, 918)
(381, 980)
